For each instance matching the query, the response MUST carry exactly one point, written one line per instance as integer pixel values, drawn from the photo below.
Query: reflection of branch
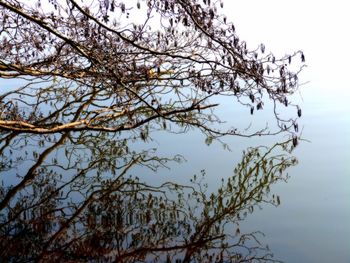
(31, 173)
(143, 220)
(64, 226)
(253, 177)
(7, 141)
(144, 250)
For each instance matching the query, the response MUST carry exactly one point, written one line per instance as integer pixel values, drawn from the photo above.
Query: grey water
(312, 224)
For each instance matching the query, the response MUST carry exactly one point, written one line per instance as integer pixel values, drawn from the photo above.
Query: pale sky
(319, 28)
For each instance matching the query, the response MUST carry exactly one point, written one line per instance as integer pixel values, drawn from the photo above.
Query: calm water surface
(312, 224)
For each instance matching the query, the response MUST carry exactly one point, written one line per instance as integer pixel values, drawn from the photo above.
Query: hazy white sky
(319, 28)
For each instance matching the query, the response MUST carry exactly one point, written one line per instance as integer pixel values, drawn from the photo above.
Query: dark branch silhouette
(88, 66)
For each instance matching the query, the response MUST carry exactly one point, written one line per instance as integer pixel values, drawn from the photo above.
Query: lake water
(312, 224)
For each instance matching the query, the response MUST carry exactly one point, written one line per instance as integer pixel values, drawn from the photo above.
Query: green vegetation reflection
(71, 209)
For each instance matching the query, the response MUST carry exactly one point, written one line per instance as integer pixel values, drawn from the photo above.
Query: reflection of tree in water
(77, 202)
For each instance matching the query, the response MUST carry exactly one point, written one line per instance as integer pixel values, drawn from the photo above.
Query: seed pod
(211, 13)
(296, 127)
(295, 141)
(299, 112)
(185, 21)
(262, 48)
